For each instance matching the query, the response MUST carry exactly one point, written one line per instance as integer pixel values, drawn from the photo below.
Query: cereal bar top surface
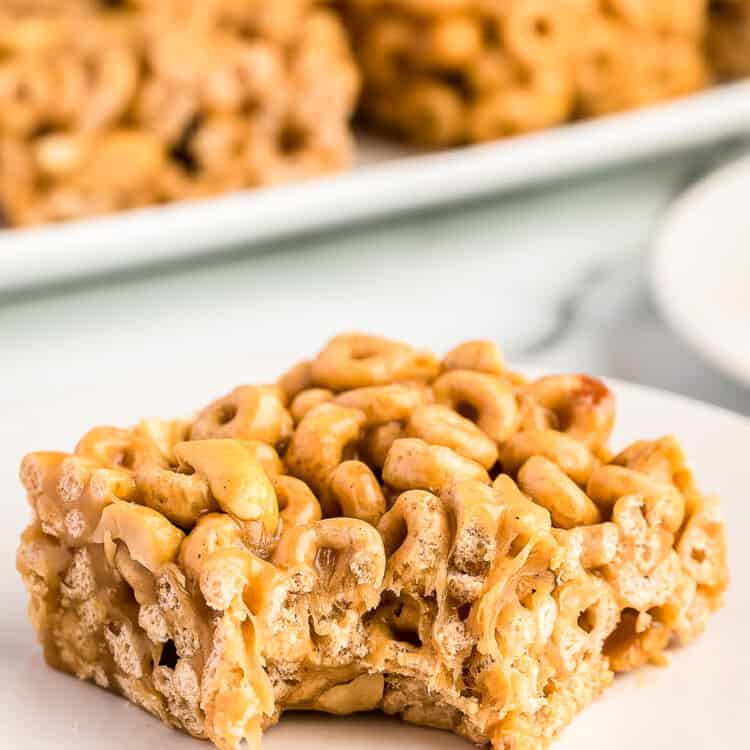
(440, 539)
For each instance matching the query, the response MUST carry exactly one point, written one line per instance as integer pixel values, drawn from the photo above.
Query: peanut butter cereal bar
(107, 106)
(438, 539)
(443, 73)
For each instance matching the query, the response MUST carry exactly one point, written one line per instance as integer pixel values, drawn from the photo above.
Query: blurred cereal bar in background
(109, 106)
(442, 72)
(729, 37)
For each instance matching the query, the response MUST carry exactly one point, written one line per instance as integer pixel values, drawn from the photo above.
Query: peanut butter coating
(442, 540)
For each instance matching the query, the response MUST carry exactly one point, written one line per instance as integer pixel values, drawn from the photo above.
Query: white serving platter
(700, 701)
(386, 180)
(701, 268)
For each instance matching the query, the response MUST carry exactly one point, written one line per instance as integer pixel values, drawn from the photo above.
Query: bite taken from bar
(380, 529)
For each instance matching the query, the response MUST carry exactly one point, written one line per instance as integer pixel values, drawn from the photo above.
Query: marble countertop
(558, 275)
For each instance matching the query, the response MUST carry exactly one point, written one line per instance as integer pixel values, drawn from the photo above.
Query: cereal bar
(442, 73)
(442, 540)
(106, 108)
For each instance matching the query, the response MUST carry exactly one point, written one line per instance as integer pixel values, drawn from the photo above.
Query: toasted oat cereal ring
(523, 518)
(150, 538)
(533, 416)
(384, 49)
(116, 72)
(499, 617)
(298, 506)
(440, 425)
(235, 477)
(266, 456)
(570, 455)
(662, 459)
(477, 513)
(181, 497)
(536, 31)
(357, 491)
(40, 473)
(492, 70)
(27, 96)
(479, 355)
(358, 360)
(646, 568)
(164, 434)
(481, 398)
(702, 548)
(583, 407)
(416, 537)
(232, 573)
(665, 505)
(599, 544)
(431, 113)
(547, 485)
(306, 400)
(212, 532)
(117, 448)
(540, 99)
(452, 40)
(346, 555)
(383, 403)
(590, 608)
(68, 493)
(326, 436)
(139, 578)
(294, 380)
(413, 464)
(596, 544)
(679, 68)
(643, 542)
(303, 544)
(377, 441)
(248, 413)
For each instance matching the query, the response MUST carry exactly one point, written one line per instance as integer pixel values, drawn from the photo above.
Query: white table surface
(556, 275)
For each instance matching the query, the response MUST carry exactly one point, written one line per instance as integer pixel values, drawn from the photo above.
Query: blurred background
(559, 276)
(110, 107)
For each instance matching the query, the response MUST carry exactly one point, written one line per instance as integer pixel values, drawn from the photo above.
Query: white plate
(700, 701)
(387, 180)
(701, 268)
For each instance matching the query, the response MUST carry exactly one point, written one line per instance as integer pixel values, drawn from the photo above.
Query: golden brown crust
(485, 572)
